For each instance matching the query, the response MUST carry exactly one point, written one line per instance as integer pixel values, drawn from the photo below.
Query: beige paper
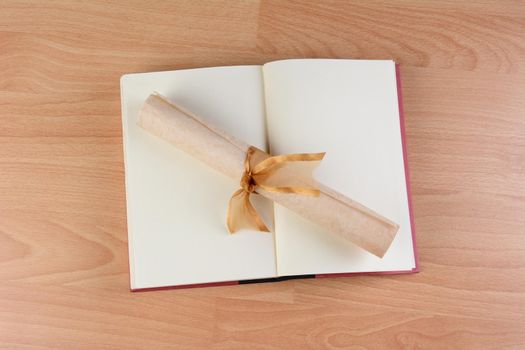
(331, 210)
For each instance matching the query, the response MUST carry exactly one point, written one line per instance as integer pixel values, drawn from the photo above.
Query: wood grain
(63, 243)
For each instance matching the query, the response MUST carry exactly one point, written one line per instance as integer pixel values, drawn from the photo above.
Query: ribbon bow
(289, 173)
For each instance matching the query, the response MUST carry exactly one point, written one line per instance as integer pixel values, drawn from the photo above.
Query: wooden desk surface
(63, 243)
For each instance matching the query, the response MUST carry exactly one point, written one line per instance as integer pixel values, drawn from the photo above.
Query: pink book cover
(349, 274)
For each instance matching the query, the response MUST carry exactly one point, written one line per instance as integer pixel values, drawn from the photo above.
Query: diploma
(327, 208)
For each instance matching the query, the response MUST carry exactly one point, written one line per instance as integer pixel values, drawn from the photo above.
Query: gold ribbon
(289, 173)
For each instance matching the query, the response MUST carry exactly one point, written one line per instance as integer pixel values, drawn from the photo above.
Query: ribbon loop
(272, 174)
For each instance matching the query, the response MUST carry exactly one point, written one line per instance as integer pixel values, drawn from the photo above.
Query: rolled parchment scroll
(331, 210)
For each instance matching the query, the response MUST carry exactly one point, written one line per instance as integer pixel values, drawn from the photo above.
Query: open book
(176, 205)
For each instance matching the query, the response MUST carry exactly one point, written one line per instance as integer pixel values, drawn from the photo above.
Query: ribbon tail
(268, 164)
(233, 206)
(242, 214)
(254, 217)
(305, 191)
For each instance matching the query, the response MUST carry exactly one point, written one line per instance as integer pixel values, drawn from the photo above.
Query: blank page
(177, 205)
(349, 109)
